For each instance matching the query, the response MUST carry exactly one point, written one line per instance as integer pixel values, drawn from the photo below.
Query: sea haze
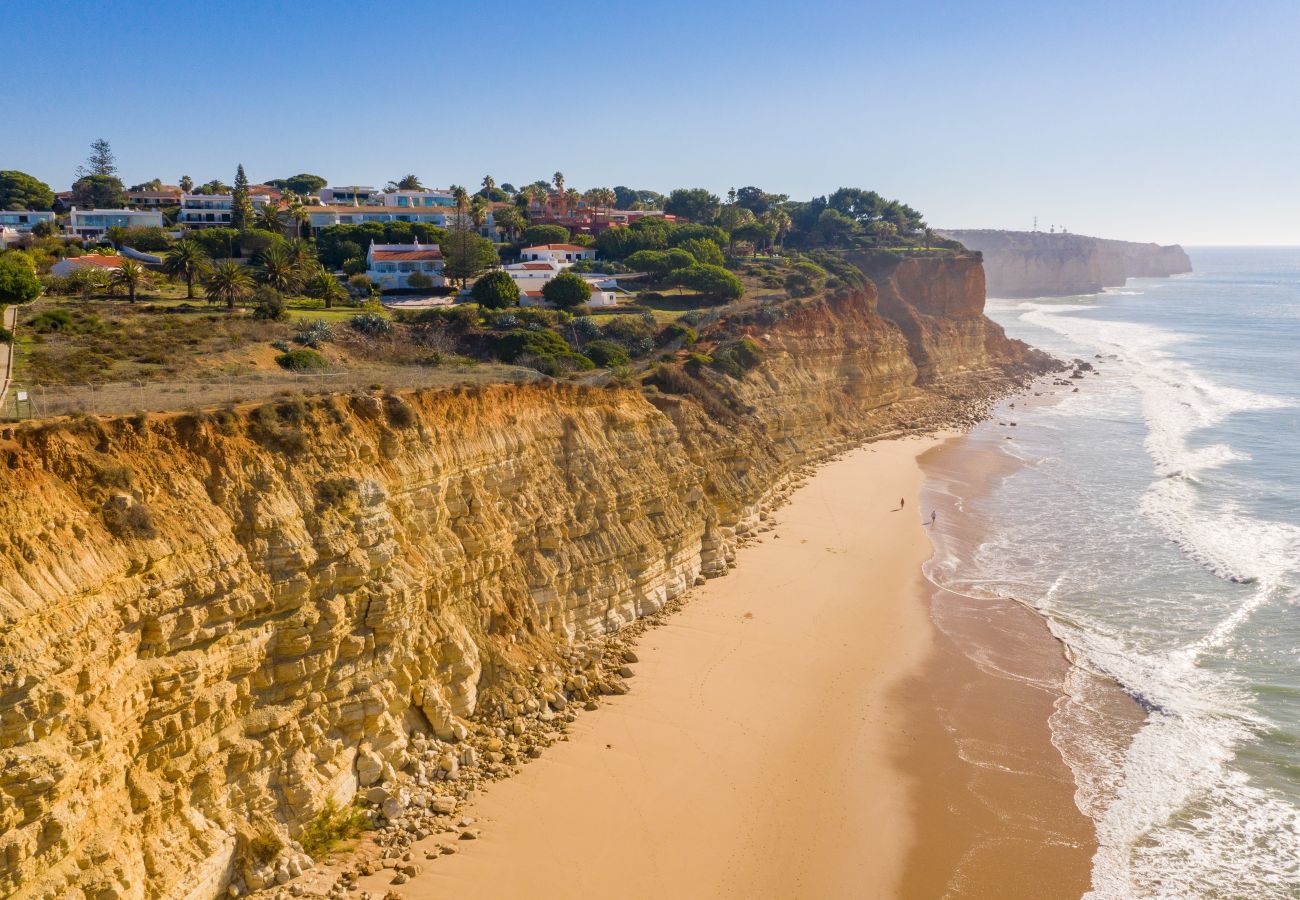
(1154, 518)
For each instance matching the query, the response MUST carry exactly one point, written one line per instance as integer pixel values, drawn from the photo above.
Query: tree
(268, 218)
(545, 234)
(489, 186)
(215, 186)
(278, 269)
(704, 251)
(18, 281)
(695, 204)
(460, 197)
(304, 184)
(101, 160)
(510, 220)
(324, 286)
(153, 184)
(298, 214)
(713, 282)
(241, 210)
(478, 211)
(465, 253)
(757, 200)
(496, 290)
(659, 263)
(779, 221)
(187, 184)
(566, 291)
(406, 183)
(130, 275)
(187, 261)
(98, 192)
(228, 283)
(18, 190)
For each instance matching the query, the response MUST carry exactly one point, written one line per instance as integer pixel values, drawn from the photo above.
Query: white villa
(15, 223)
(418, 199)
(353, 195)
(531, 277)
(92, 224)
(213, 210)
(390, 266)
(558, 253)
(440, 216)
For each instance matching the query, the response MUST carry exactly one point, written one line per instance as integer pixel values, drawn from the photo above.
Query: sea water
(1153, 517)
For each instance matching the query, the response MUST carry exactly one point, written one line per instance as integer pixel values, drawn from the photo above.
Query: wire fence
(125, 397)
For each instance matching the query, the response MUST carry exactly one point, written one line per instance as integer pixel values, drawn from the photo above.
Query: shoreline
(788, 735)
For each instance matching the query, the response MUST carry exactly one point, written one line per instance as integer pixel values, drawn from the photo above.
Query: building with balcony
(93, 224)
(153, 199)
(390, 266)
(353, 195)
(17, 223)
(213, 210)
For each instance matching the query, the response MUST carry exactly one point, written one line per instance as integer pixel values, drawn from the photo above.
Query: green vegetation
(496, 290)
(228, 282)
(18, 281)
(567, 291)
(303, 185)
(606, 353)
(330, 827)
(18, 190)
(302, 360)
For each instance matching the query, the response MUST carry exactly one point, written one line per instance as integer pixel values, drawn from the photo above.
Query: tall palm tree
(489, 185)
(298, 214)
(511, 220)
(268, 219)
(558, 180)
(303, 252)
(461, 196)
(188, 261)
(778, 219)
(406, 183)
(478, 211)
(278, 269)
(327, 287)
(228, 283)
(129, 275)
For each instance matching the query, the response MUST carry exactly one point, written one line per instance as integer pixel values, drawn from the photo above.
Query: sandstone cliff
(1033, 264)
(212, 625)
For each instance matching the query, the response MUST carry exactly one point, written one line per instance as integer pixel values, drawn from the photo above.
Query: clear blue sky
(1144, 120)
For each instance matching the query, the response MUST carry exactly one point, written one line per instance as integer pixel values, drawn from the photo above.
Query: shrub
(314, 333)
(677, 334)
(125, 518)
(495, 290)
(514, 344)
(714, 282)
(606, 354)
(302, 360)
(419, 281)
(6, 336)
(586, 328)
(268, 305)
(398, 412)
(360, 286)
(566, 290)
(333, 492)
(329, 828)
(265, 424)
(52, 320)
(18, 281)
(558, 364)
(703, 250)
(282, 346)
(627, 329)
(738, 358)
(371, 324)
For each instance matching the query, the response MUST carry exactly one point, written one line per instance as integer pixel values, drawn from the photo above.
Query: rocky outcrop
(212, 626)
(1034, 264)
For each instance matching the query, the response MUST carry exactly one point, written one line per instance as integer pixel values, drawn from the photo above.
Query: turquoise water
(1154, 518)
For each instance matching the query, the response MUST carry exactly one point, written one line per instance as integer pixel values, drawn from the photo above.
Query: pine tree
(241, 210)
(101, 161)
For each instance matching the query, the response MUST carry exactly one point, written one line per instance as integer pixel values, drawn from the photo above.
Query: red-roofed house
(391, 265)
(66, 267)
(558, 253)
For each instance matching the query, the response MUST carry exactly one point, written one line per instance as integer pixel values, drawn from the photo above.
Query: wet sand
(787, 736)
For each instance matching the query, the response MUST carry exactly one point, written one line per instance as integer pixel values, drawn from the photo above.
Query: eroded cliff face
(212, 625)
(1034, 264)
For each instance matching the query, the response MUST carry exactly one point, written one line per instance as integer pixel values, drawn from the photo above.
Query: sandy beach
(774, 743)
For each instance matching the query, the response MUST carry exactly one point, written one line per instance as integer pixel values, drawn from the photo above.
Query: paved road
(6, 354)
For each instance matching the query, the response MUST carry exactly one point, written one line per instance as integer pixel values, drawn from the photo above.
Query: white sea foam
(1174, 818)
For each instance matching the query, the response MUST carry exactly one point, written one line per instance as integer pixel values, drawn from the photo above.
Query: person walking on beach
(902, 501)
(934, 514)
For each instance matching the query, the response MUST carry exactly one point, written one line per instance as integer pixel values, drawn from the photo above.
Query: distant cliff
(1033, 264)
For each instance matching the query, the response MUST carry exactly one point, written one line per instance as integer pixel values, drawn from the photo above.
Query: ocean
(1153, 518)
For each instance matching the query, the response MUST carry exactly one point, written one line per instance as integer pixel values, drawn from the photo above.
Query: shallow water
(1154, 518)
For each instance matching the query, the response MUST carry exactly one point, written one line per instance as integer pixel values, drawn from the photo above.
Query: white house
(66, 267)
(391, 266)
(15, 223)
(418, 199)
(440, 216)
(559, 253)
(92, 224)
(531, 277)
(213, 210)
(353, 195)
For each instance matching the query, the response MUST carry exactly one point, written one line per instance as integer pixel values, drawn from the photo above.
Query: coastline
(787, 736)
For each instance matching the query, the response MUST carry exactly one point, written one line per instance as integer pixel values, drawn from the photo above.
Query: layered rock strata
(214, 626)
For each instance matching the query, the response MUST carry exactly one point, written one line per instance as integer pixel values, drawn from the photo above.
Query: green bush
(354, 266)
(268, 305)
(302, 360)
(520, 341)
(329, 828)
(371, 324)
(713, 282)
(6, 336)
(606, 354)
(678, 334)
(495, 290)
(738, 358)
(52, 320)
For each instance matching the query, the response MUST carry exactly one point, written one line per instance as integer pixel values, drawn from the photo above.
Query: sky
(1153, 121)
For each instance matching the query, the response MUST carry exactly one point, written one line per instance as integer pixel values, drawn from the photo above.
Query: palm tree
(268, 219)
(303, 252)
(778, 219)
(298, 214)
(461, 196)
(129, 275)
(278, 269)
(407, 183)
(228, 283)
(489, 186)
(189, 261)
(511, 220)
(187, 183)
(478, 211)
(558, 179)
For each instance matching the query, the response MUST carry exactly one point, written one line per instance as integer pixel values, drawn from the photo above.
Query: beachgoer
(902, 501)
(934, 514)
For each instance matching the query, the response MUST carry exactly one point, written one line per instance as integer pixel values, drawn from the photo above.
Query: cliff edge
(1034, 264)
(217, 627)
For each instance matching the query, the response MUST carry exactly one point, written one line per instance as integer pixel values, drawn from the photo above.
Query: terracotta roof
(104, 262)
(569, 247)
(537, 266)
(533, 294)
(407, 255)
